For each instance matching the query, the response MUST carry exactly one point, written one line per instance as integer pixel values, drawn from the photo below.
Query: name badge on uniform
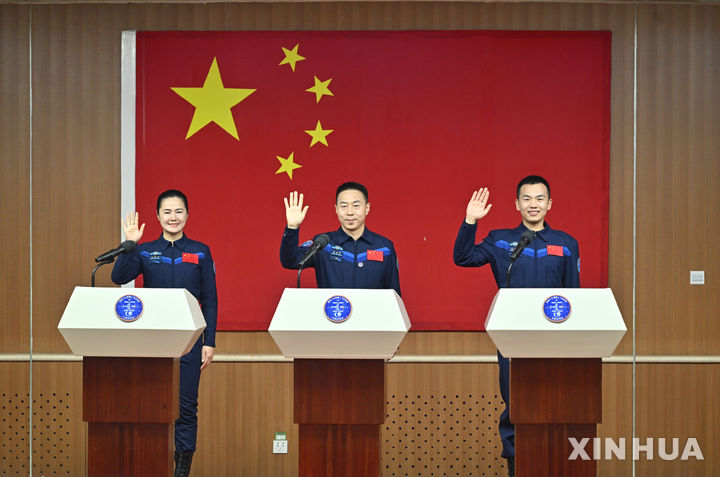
(336, 253)
(556, 250)
(375, 255)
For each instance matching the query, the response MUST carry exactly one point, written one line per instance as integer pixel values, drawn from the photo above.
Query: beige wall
(62, 176)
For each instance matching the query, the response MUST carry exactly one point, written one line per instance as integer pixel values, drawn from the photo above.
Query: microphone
(525, 239)
(320, 242)
(125, 247)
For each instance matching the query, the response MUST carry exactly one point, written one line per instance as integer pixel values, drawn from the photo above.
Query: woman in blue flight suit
(175, 261)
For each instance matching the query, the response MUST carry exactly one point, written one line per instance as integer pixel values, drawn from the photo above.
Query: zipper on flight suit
(172, 262)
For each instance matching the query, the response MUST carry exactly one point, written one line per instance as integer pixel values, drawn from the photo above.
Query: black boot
(511, 466)
(182, 463)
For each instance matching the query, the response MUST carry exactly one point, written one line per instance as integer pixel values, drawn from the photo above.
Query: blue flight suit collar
(341, 236)
(543, 234)
(180, 243)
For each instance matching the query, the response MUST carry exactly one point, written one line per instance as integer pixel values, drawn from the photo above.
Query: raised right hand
(478, 207)
(130, 227)
(294, 211)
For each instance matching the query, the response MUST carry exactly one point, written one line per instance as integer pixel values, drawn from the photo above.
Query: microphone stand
(104, 262)
(298, 277)
(508, 271)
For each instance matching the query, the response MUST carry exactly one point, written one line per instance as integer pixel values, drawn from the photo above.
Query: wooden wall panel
(679, 400)
(617, 415)
(438, 342)
(447, 410)
(239, 342)
(423, 343)
(442, 420)
(242, 405)
(620, 253)
(58, 431)
(76, 127)
(14, 418)
(241, 408)
(14, 179)
(678, 171)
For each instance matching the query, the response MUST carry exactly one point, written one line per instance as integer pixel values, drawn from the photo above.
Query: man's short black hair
(172, 193)
(352, 186)
(530, 180)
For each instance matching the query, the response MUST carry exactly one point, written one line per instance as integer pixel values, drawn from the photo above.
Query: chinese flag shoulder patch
(190, 258)
(375, 255)
(555, 250)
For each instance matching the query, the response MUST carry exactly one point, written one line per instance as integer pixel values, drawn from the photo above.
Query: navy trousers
(506, 428)
(186, 423)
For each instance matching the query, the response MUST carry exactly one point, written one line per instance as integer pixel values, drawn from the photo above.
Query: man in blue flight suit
(355, 257)
(175, 261)
(551, 260)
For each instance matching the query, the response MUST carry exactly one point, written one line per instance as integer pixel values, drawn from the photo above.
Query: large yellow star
(287, 165)
(213, 102)
(318, 134)
(320, 88)
(291, 57)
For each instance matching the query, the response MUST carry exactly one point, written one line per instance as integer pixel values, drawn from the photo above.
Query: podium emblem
(557, 309)
(338, 309)
(128, 308)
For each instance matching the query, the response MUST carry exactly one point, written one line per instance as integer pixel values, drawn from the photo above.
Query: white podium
(340, 340)
(374, 329)
(555, 338)
(130, 339)
(517, 324)
(170, 323)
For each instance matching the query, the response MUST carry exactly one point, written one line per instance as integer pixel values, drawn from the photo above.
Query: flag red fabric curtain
(237, 120)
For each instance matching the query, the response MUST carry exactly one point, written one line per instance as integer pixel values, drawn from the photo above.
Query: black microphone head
(322, 240)
(527, 236)
(128, 246)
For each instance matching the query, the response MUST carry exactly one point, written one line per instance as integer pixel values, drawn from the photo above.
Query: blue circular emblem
(557, 308)
(338, 309)
(128, 308)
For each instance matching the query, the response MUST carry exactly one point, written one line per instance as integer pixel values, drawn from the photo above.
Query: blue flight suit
(344, 262)
(551, 260)
(185, 264)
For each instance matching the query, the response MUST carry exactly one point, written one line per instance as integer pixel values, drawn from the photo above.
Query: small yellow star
(318, 134)
(320, 88)
(287, 165)
(291, 57)
(213, 102)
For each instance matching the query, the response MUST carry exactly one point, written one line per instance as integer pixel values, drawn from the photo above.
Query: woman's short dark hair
(172, 193)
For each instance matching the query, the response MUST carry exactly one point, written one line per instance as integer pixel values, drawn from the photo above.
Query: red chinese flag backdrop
(422, 118)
